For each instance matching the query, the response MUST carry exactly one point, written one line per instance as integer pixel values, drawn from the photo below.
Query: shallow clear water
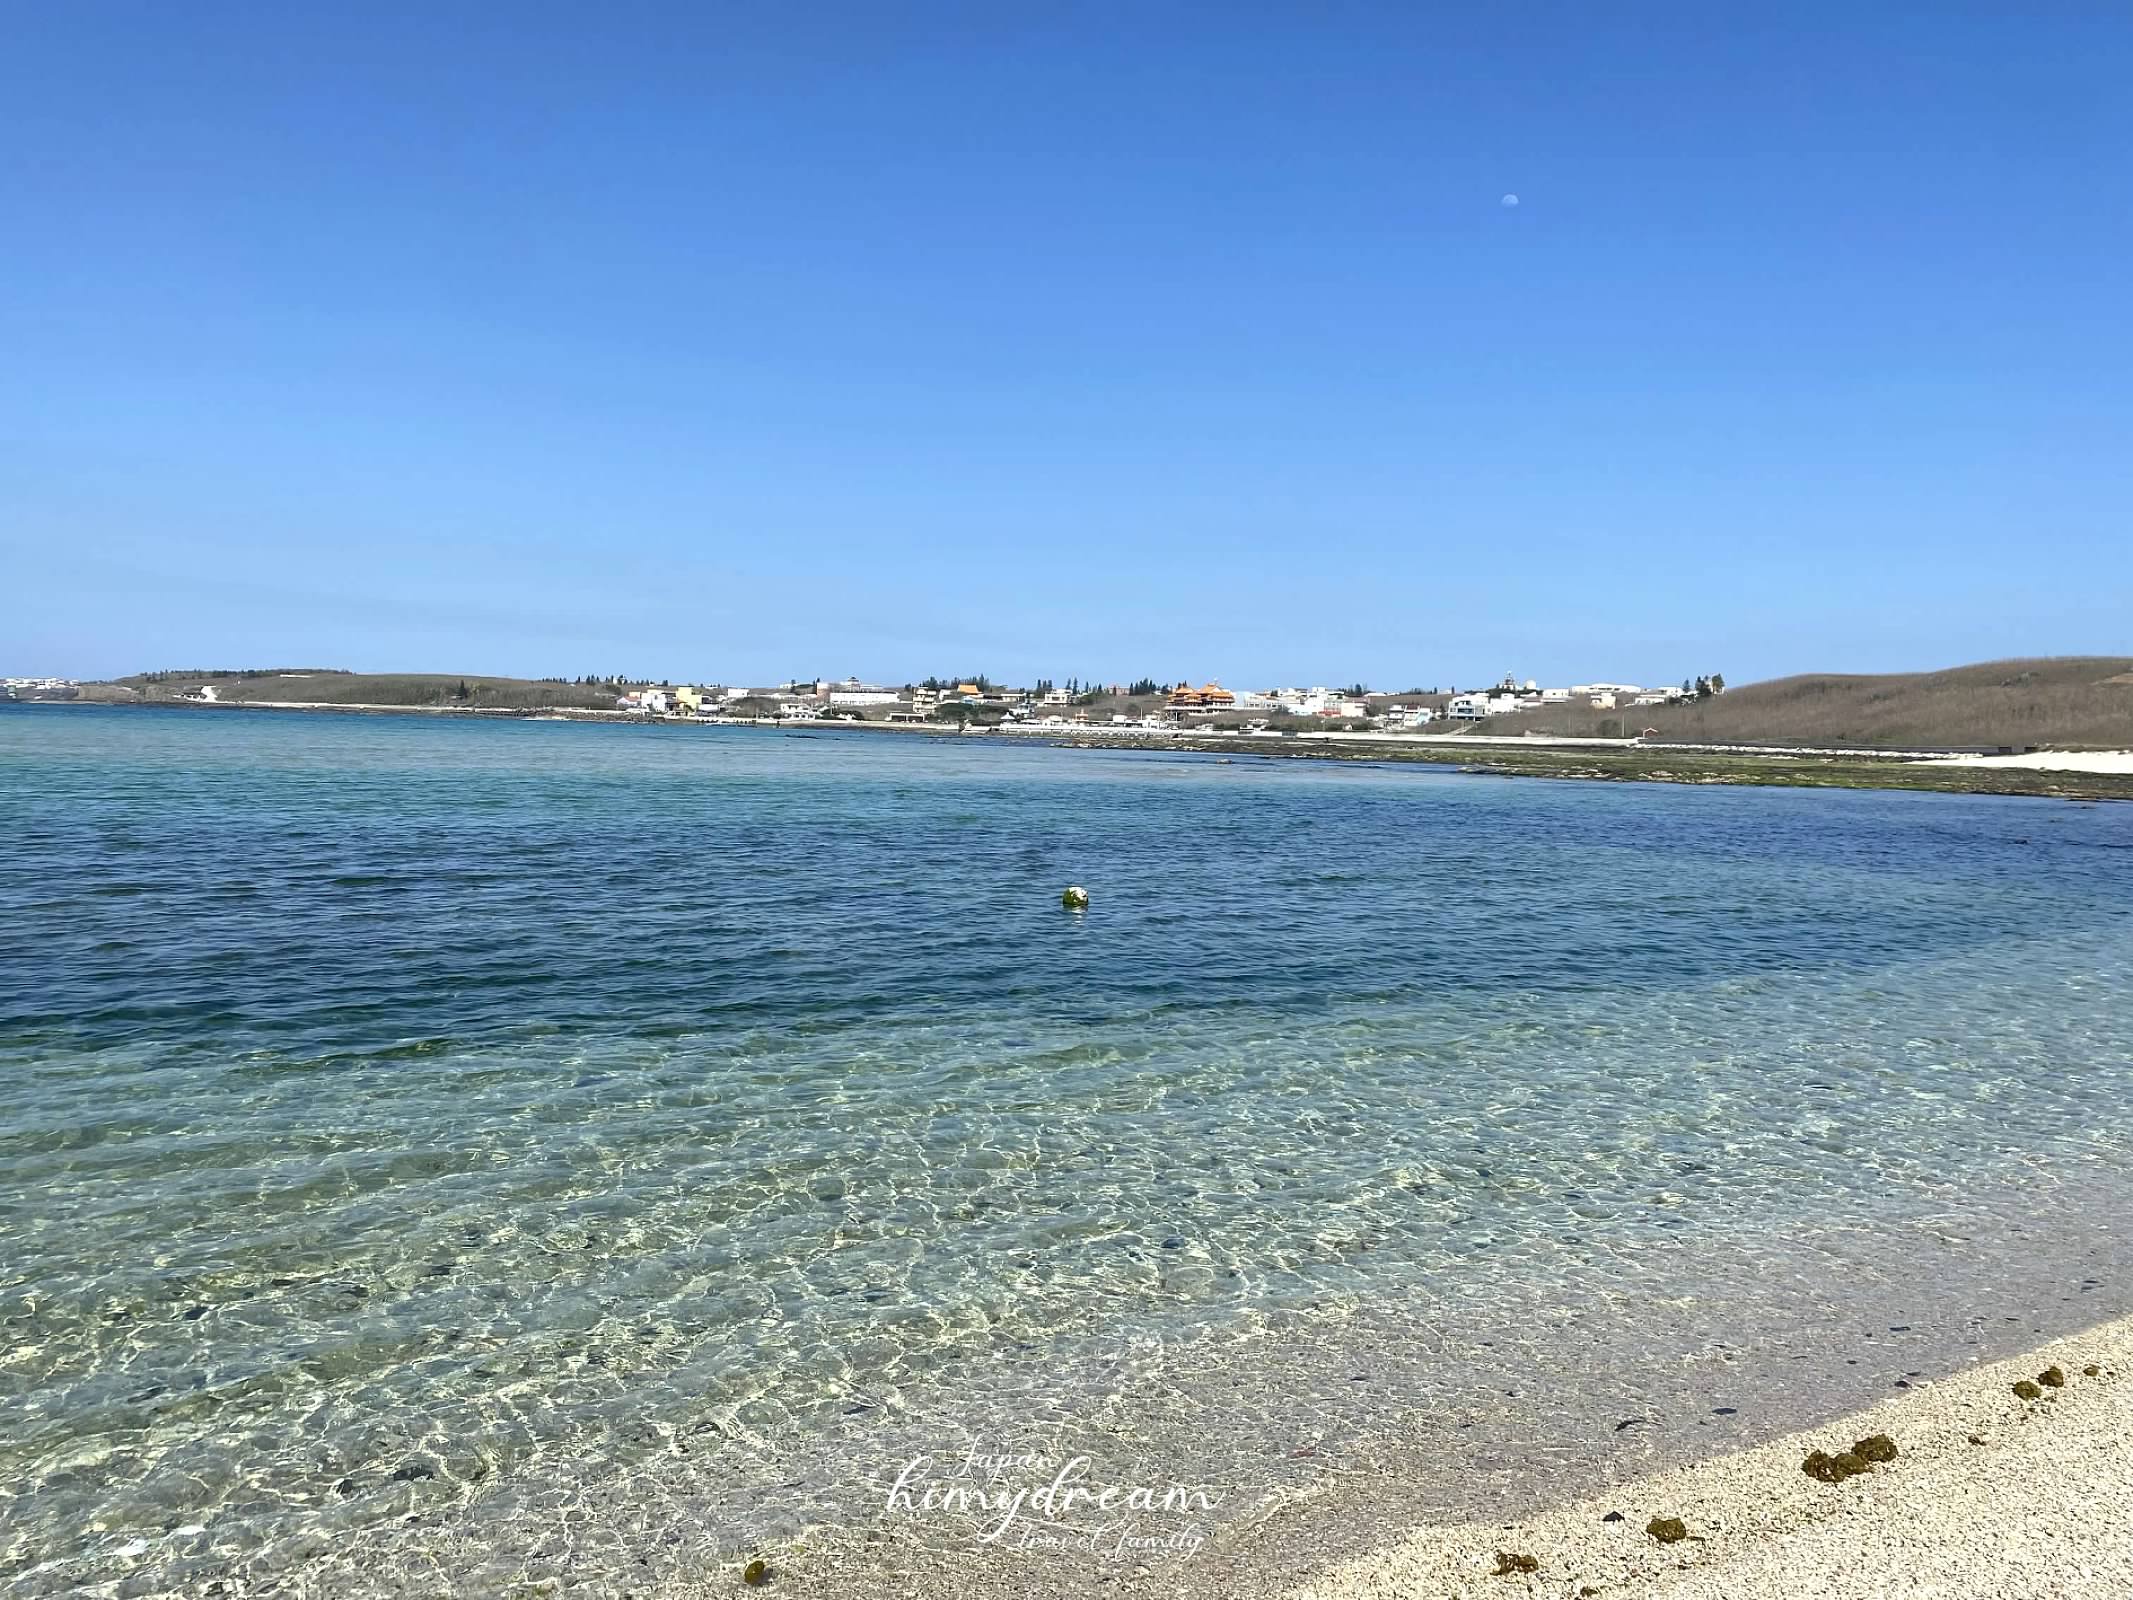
(407, 1117)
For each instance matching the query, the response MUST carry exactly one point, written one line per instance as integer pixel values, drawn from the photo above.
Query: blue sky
(741, 343)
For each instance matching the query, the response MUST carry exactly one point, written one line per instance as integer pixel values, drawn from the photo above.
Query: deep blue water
(394, 1109)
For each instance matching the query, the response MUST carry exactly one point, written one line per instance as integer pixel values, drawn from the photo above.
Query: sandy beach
(1990, 1495)
(2054, 761)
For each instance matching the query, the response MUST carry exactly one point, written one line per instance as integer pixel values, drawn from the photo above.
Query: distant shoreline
(1597, 760)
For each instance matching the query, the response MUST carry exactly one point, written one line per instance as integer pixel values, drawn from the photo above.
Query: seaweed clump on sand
(756, 1574)
(2052, 1378)
(2025, 1390)
(1511, 1561)
(1667, 1530)
(1850, 1463)
(2092, 1371)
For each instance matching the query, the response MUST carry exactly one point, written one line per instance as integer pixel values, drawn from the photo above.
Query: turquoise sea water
(457, 1120)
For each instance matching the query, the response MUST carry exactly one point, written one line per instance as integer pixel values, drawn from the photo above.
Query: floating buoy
(1076, 898)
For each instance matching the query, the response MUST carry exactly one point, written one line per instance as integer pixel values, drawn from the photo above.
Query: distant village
(1145, 705)
(971, 704)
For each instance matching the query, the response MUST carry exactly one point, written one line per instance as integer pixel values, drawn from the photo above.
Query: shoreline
(1370, 1528)
(2086, 777)
(1990, 1493)
(1411, 1493)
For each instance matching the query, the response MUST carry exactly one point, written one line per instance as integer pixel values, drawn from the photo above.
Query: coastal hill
(469, 691)
(2067, 701)
(2051, 700)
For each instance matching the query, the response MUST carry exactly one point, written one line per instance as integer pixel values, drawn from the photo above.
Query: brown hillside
(429, 689)
(2067, 701)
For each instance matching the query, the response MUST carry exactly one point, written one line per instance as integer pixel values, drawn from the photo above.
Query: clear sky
(1067, 340)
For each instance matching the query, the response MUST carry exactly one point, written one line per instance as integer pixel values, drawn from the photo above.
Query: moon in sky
(1510, 201)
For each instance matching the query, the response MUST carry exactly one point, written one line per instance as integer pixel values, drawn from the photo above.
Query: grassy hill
(2065, 701)
(438, 689)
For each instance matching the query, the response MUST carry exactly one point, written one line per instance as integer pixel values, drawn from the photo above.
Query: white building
(851, 692)
(1475, 706)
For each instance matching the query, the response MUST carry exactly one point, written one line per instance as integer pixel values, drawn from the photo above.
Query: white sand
(2042, 1508)
(2054, 760)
